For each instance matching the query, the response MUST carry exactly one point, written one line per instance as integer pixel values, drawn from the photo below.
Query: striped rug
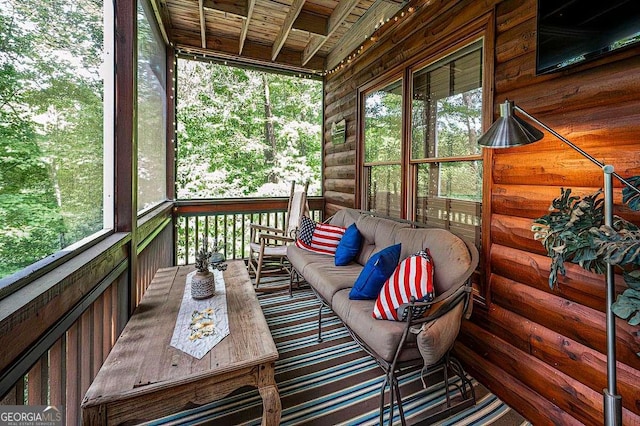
(333, 382)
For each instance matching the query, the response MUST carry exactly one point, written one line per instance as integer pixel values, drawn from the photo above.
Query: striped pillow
(412, 277)
(305, 231)
(325, 239)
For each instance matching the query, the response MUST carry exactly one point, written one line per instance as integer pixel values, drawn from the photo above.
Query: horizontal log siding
(557, 337)
(540, 350)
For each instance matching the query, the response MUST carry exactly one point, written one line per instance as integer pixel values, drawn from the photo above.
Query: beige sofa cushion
(451, 258)
(377, 234)
(301, 259)
(320, 272)
(436, 337)
(344, 217)
(381, 336)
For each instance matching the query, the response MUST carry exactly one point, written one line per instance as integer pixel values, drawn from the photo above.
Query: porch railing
(58, 366)
(225, 222)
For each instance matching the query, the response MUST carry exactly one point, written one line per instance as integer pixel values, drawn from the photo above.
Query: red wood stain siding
(542, 351)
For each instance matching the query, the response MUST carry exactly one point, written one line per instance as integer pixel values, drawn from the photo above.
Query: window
(55, 110)
(432, 156)
(446, 162)
(383, 149)
(152, 117)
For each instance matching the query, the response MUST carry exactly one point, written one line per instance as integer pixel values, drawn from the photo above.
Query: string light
(371, 39)
(368, 41)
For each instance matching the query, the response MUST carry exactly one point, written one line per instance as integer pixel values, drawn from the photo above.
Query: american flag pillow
(412, 277)
(324, 240)
(305, 231)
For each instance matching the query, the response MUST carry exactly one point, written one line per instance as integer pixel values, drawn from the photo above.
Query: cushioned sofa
(424, 338)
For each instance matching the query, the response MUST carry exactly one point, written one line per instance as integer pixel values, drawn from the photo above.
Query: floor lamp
(510, 130)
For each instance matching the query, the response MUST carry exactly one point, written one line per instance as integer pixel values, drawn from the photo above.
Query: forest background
(240, 132)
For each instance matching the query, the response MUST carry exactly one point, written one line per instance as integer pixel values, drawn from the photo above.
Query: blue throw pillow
(374, 274)
(349, 246)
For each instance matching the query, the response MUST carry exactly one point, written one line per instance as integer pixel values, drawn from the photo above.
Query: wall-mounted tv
(574, 31)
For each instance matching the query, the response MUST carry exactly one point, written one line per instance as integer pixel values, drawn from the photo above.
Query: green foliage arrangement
(574, 231)
(202, 259)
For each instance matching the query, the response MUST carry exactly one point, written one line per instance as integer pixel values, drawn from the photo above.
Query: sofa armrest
(435, 308)
(437, 331)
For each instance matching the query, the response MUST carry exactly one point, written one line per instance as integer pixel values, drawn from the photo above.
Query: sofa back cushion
(451, 258)
(344, 217)
(377, 234)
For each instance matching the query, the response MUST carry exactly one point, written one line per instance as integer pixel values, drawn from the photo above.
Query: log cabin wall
(542, 351)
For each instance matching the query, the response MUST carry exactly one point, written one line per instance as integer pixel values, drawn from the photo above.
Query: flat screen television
(570, 32)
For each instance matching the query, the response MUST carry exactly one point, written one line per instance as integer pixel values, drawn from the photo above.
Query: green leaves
(618, 248)
(564, 232)
(627, 305)
(631, 197)
(574, 231)
(223, 146)
(51, 146)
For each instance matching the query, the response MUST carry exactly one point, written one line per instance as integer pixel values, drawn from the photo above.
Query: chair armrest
(266, 228)
(264, 237)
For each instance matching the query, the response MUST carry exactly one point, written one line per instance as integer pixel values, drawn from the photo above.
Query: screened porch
(105, 181)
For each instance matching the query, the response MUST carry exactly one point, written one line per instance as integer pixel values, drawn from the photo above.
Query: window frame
(362, 95)
(156, 34)
(457, 50)
(40, 268)
(481, 28)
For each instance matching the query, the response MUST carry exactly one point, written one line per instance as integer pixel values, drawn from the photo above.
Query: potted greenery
(203, 282)
(574, 231)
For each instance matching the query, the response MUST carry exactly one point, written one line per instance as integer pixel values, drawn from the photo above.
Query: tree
(270, 146)
(51, 131)
(245, 133)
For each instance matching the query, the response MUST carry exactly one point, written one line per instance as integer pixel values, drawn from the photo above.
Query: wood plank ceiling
(308, 36)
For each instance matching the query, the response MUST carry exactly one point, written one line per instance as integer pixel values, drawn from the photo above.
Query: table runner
(201, 324)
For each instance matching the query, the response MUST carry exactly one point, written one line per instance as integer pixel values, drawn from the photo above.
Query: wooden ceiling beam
(312, 23)
(224, 47)
(338, 16)
(203, 24)
(378, 12)
(292, 14)
(245, 25)
(163, 17)
(235, 7)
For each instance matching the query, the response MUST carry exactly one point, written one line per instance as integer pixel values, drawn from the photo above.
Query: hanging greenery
(574, 231)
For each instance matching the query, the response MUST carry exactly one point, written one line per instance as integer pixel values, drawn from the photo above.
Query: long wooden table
(144, 378)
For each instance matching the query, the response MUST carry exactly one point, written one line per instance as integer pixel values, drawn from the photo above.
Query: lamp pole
(510, 130)
(612, 401)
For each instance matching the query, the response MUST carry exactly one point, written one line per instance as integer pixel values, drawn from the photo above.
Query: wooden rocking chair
(268, 245)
